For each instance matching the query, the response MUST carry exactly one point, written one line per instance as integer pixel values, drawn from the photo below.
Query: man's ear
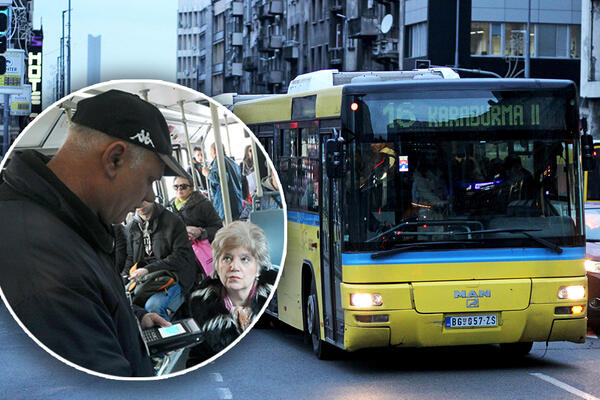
(113, 158)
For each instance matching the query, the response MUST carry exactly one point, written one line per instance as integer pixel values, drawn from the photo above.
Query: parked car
(592, 263)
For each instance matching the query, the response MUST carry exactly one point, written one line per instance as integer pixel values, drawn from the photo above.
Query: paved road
(276, 364)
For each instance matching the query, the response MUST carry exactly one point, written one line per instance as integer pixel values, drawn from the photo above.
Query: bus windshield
(465, 171)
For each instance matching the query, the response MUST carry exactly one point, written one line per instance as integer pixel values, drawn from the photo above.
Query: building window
(514, 39)
(545, 40)
(417, 40)
(480, 38)
(575, 41)
(496, 39)
(552, 40)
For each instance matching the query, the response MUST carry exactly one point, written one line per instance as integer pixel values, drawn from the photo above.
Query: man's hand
(153, 319)
(138, 273)
(194, 232)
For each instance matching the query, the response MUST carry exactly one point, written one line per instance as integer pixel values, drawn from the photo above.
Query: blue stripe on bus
(464, 256)
(303, 218)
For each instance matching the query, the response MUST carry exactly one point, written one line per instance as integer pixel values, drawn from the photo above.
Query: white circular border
(99, 86)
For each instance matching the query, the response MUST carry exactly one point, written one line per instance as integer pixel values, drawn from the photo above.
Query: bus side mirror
(588, 158)
(335, 157)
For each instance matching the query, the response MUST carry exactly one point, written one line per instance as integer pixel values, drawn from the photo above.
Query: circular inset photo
(143, 229)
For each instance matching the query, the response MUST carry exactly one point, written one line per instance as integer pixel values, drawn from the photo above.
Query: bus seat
(272, 223)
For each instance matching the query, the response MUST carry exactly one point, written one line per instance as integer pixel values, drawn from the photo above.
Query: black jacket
(170, 246)
(199, 211)
(218, 325)
(57, 272)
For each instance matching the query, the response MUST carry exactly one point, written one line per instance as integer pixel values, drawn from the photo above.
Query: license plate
(470, 321)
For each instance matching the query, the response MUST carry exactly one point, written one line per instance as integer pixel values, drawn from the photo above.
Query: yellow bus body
(418, 297)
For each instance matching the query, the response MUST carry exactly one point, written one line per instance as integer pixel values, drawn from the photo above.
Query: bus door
(331, 262)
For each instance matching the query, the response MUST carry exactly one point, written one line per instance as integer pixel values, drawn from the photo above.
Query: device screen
(172, 330)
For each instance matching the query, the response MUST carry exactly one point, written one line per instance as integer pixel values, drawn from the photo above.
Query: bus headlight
(576, 292)
(592, 266)
(366, 300)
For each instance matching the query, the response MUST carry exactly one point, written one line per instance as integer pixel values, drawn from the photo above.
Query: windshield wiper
(552, 246)
(406, 247)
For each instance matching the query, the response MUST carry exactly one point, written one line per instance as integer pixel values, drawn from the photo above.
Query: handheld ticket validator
(181, 334)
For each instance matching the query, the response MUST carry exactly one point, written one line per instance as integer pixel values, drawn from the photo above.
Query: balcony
(363, 27)
(270, 9)
(250, 63)
(237, 8)
(236, 39)
(276, 42)
(269, 43)
(234, 69)
(386, 49)
(291, 52)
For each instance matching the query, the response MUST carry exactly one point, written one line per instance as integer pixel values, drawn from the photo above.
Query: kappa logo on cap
(143, 137)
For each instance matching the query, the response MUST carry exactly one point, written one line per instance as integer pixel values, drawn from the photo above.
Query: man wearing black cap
(57, 267)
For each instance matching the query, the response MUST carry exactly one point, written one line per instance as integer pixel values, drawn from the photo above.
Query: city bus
(426, 210)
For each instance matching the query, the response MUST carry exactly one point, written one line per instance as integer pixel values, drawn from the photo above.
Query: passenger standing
(233, 176)
(199, 163)
(58, 269)
(248, 177)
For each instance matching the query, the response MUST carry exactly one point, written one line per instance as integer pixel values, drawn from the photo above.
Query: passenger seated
(157, 240)
(231, 297)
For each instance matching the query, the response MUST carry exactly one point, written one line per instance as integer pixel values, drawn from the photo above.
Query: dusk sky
(138, 39)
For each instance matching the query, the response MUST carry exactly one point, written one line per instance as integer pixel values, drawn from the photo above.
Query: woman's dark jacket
(171, 247)
(199, 211)
(58, 275)
(218, 325)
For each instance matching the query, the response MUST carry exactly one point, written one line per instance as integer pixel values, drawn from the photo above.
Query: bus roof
(463, 84)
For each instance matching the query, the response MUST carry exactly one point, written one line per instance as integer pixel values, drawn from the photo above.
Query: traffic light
(4, 25)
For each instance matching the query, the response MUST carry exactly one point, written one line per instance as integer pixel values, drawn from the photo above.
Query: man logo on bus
(472, 296)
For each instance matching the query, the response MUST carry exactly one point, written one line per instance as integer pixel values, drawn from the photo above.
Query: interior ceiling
(48, 131)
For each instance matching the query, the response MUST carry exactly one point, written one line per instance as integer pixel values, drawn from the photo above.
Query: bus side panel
(302, 239)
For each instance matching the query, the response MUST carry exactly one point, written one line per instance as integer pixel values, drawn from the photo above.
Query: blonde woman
(231, 297)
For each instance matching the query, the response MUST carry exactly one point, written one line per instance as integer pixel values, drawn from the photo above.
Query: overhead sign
(20, 104)
(11, 82)
(34, 71)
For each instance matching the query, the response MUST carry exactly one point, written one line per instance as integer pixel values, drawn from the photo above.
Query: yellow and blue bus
(428, 211)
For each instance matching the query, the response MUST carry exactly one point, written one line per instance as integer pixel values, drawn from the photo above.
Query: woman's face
(183, 189)
(237, 269)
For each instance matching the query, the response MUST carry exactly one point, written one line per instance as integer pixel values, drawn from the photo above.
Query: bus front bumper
(409, 328)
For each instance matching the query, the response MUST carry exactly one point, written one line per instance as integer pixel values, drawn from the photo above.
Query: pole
(61, 92)
(6, 139)
(69, 52)
(221, 163)
(401, 35)
(456, 42)
(188, 145)
(527, 45)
